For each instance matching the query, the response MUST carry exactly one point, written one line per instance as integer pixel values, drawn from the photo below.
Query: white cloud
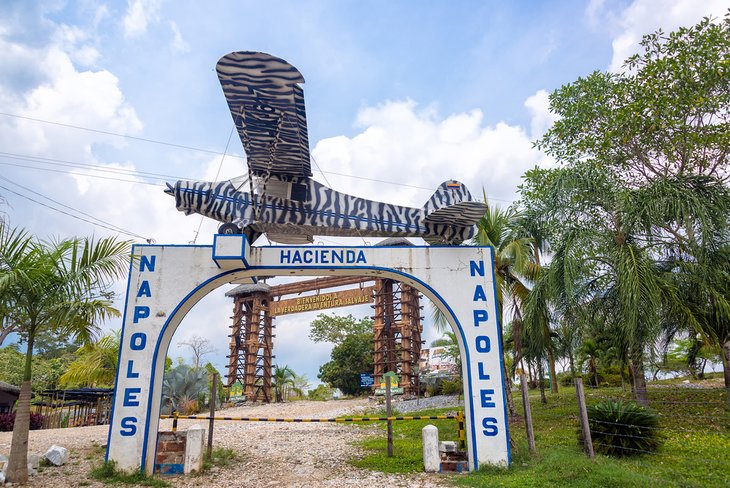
(400, 143)
(178, 43)
(140, 13)
(646, 16)
(541, 118)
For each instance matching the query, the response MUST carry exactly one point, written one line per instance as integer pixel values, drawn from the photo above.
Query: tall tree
(282, 379)
(199, 346)
(53, 288)
(513, 250)
(335, 328)
(643, 181)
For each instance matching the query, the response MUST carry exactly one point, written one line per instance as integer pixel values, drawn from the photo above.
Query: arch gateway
(165, 281)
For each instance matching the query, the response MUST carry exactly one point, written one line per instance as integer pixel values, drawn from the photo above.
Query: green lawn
(695, 425)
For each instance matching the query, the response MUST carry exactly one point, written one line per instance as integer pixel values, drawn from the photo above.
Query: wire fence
(683, 441)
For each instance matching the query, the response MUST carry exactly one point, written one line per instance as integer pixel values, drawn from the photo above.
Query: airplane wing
(267, 106)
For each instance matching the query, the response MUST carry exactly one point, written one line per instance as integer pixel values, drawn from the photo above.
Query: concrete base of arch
(165, 281)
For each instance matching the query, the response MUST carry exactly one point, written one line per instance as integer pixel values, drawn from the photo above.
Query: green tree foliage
(282, 379)
(57, 287)
(354, 355)
(637, 211)
(335, 328)
(46, 371)
(220, 388)
(321, 393)
(95, 364)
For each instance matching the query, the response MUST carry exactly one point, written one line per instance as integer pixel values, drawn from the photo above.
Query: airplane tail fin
(452, 204)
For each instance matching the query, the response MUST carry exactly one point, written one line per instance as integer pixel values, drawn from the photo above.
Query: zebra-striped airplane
(283, 201)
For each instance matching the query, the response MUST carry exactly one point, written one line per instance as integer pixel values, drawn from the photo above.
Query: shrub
(621, 428)
(7, 420)
(452, 387)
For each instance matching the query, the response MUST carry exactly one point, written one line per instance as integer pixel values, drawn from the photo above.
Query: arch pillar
(165, 281)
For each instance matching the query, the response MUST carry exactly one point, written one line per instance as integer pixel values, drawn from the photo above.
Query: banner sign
(366, 380)
(322, 301)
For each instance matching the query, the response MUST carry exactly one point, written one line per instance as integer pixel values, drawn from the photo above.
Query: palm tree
(95, 363)
(53, 288)
(282, 378)
(512, 252)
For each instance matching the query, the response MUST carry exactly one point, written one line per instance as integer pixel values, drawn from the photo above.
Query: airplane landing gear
(229, 229)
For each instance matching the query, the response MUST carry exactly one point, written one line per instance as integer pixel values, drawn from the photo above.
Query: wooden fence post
(528, 413)
(583, 413)
(211, 422)
(389, 412)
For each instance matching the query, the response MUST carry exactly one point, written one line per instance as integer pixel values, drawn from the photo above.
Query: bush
(7, 420)
(452, 387)
(621, 428)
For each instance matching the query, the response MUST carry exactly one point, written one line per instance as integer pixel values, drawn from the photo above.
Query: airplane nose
(170, 190)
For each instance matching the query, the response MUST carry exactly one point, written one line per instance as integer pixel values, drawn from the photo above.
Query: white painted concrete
(167, 280)
(431, 455)
(194, 448)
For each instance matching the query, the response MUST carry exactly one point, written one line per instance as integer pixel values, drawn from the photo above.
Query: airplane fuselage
(312, 209)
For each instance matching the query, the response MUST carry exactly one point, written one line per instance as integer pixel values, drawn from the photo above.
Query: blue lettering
(285, 257)
(130, 373)
(479, 295)
(141, 313)
(477, 268)
(482, 374)
(486, 397)
(489, 429)
(350, 256)
(480, 316)
(130, 397)
(337, 256)
(297, 258)
(138, 341)
(148, 263)
(144, 290)
(308, 257)
(483, 344)
(128, 426)
(361, 258)
(325, 258)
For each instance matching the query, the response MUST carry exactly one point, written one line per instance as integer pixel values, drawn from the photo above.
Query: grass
(108, 473)
(220, 457)
(407, 447)
(695, 453)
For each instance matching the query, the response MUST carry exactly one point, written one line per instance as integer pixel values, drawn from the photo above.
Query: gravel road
(281, 454)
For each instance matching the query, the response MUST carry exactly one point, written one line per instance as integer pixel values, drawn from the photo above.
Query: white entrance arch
(165, 281)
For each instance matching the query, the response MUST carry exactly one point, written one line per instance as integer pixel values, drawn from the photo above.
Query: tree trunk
(553, 374)
(541, 382)
(18, 463)
(726, 367)
(571, 361)
(640, 394)
(508, 391)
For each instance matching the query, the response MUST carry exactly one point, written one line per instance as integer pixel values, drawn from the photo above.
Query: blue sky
(409, 92)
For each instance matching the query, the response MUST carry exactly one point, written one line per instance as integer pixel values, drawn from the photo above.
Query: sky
(102, 102)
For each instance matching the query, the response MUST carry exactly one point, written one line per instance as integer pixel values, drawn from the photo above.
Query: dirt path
(281, 454)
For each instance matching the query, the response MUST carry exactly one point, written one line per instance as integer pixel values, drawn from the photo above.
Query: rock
(2, 477)
(3, 463)
(34, 460)
(56, 455)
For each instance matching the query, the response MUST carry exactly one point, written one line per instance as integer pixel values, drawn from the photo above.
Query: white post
(431, 455)
(194, 444)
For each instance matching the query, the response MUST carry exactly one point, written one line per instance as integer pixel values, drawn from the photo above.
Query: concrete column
(431, 456)
(194, 448)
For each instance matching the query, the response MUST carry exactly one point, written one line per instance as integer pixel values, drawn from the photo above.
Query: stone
(431, 456)
(194, 448)
(2, 477)
(3, 463)
(447, 446)
(56, 455)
